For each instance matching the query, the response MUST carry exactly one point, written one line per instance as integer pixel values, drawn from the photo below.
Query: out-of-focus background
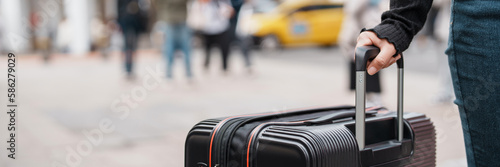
(105, 83)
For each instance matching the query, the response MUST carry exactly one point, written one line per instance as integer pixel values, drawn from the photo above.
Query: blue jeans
(474, 59)
(130, 35)
(178, 37)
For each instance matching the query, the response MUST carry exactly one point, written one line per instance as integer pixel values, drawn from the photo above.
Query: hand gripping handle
(363, 55)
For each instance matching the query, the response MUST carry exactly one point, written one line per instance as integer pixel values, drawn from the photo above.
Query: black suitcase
(340, 136)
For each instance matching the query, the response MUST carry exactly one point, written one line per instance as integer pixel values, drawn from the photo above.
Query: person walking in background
(441, 31)
(131, 22)
(428, 31)
(243, 10)
(211, 18)
(44, 32)
(1, 33)
(177, 33)
(359, 14)
(100, 34)
(473, 58)
(243, 33)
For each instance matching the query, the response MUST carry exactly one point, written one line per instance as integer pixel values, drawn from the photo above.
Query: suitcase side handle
(363, 55)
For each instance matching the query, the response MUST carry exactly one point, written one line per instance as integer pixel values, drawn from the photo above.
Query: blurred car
(298, 22)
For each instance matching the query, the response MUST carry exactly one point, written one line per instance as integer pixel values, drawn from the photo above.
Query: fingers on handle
(384, 58)
(364, 42)
(366, 39)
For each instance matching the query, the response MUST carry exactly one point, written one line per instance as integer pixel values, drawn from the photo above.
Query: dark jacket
(130, 16)
(402, 22)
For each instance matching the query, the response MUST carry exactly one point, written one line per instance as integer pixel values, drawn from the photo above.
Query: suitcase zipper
(220, 126)
(223, 146)
(219, 154)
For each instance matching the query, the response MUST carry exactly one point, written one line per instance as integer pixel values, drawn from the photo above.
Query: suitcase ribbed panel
(208, 124)
(300, 138)
(425, 142)
(325, 146)
(197, 141)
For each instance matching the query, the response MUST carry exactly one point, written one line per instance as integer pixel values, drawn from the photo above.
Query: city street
(82, 111)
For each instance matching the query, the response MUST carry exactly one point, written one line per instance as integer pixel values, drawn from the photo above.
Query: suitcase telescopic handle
(363, 55)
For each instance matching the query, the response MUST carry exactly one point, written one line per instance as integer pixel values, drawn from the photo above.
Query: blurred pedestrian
(428, 32)
(43, 33)
(441, 31)
(131, 20)
(211, 18)
(430, 25)
(64, 35)
(100, 35)
(473, 60)
(359, 14)
(1, 33)
(177, 33)
(243, 35)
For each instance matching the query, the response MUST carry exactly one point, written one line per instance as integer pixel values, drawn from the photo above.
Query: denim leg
(245, 44)
(128, 62)
(473, 55)
(130, 38)
(169, 48)
(185, 42)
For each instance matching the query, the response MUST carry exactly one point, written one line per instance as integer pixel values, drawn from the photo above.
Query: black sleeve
(404, 19)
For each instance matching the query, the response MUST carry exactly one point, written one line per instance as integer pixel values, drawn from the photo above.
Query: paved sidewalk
(65, 104)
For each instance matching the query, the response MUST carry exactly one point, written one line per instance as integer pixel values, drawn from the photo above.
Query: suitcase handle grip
(363, 55)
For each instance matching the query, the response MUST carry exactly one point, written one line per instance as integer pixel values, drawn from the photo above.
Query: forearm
(402, 22)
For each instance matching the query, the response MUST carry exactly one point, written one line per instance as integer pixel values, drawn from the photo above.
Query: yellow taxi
(299, 22)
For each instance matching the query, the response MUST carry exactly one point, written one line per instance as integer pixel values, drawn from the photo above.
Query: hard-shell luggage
(340, 136)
